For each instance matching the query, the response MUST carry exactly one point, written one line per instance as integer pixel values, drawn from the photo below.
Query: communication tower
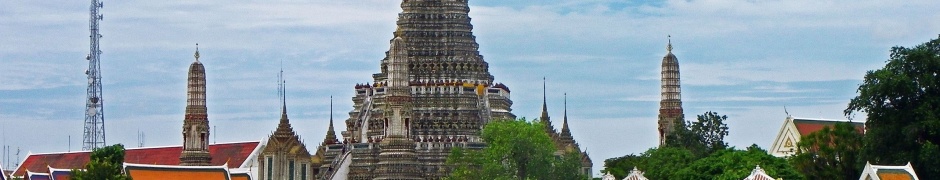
(94, 105)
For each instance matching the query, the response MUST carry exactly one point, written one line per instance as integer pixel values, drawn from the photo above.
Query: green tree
(516, 149)
(830, 153)
(656, 163)
(703, 136)
(711, 131)
(902, 102)
(737, 164)
(106, 163)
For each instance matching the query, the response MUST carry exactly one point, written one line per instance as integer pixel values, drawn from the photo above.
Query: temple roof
(880, 172)
(635, 174)
(174, 172)
(758, 174)
(232, 154)
(795, 128)
(808, 126)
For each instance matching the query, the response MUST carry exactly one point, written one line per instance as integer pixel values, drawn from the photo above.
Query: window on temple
(303, 171)
(270, 165)
(290, 170)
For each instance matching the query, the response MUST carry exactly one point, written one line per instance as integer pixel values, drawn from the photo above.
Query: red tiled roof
(806, 126)
(233, 153)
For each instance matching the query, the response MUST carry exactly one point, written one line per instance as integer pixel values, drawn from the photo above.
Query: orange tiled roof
(176, 172)
(807, 126)
(233, 153)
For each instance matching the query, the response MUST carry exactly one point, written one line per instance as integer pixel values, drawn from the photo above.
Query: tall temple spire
(670, 106)
(564, 137)
(544, 101)
(330, 133)
(545, 119)
(196, 122)
(564, 125)
(284, 149)
(284, 130)
(282, 90)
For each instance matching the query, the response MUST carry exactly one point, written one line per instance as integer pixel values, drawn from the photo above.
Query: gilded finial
(669, 45)
(197, 52)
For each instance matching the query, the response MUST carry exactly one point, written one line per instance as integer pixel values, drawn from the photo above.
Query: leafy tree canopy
(830, 153)
(737, 164)
(656, 163)
(105, 163)
(516, 149)
(902, 102)
(697, 150)
(702, 137)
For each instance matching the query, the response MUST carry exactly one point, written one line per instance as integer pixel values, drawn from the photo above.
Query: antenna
(17, 157)
(93, 136)
(215, 133)
(140, 138)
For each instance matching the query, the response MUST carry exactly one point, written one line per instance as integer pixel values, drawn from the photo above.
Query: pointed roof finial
(331, 112)
(544, 118)
(566, 109)
(283, 92)
(197, 52)
(564, 126)
(544, 101)
(669, 45)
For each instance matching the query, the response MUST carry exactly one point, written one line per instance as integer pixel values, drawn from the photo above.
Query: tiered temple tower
(196, 123)
(451, 97)
(670, 106)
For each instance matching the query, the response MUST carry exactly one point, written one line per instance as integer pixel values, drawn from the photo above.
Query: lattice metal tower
(94, 114)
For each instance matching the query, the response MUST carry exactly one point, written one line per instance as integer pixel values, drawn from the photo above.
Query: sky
(752, 60)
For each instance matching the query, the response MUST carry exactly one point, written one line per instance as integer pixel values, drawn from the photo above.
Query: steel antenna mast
(94, 105)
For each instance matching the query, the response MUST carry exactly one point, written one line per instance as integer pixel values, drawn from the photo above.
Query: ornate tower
(196, 123)
(397, 157)
(445, 94)
(670, 106)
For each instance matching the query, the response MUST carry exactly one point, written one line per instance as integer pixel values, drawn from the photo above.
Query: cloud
(21, 74)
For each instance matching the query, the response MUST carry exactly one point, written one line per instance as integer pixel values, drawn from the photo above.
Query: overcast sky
(747, 59)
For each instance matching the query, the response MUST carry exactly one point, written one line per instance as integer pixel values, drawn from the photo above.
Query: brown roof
(232, 153)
